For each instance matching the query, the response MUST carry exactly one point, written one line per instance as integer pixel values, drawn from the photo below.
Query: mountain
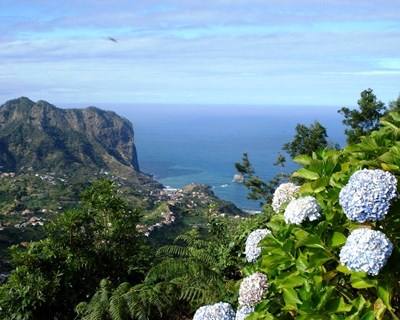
(49, 155)
(43, 137)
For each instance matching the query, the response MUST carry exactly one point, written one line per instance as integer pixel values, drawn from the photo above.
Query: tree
(395, 105)
(280, 161)
(259, 189)
(307, 140)
(365, 120)
(95, 241)
(192, 271)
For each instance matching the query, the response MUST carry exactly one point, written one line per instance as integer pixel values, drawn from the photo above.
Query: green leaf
(306, 188)
(289, 281)
(291, 298)
(303, 159)
(389, 167)
(395, 116)
(302, 263)
(338, 306)
(390, 125)
(307, 240)
(343, 269)
(271, 262)
(319, 257)
(379, 309)
(384, 293)
(306, 174)
(360, 280)
(338, 239)
(368, 316)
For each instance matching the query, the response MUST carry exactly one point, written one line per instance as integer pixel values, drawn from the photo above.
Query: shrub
(334, 267)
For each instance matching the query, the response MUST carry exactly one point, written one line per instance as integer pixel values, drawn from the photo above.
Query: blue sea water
(184, 144)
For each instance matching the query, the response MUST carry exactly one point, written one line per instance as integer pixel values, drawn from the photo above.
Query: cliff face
(44, 137)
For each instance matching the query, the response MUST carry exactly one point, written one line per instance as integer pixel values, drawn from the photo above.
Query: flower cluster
(366, 250)
(252, 289)
(243, 312)
(300, 209)
(252, 249)
(285, 193)
(367, 195)
(218, 311)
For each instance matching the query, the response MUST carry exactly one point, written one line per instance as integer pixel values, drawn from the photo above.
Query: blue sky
(268, 52)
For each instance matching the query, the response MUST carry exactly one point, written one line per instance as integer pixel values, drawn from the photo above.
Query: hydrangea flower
(367, 195)
(243, 312)
(252, 289)
(252, 249)
(218, 311)
(285, 193)
(300, 209)
(366, 250)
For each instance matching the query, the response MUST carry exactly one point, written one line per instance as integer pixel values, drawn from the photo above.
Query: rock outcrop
(40, 136)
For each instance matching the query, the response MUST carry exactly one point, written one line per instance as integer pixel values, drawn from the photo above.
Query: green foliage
(307, 140)
(24, 294)
(365, 120)
(259, 189)
(394, 106)
(306, 278)
(82, 247)
(195, 270)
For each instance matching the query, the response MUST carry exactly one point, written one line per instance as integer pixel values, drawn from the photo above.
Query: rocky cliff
(40, 136)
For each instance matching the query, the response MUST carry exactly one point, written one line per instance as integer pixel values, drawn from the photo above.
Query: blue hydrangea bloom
(366, 250)
(301, 209)
(368, 194)
(285, 193)
(252, 289)
(243, 312)
(218, 311)
(252, 249)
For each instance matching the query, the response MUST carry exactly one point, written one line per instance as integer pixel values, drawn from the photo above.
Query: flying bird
(112, 39)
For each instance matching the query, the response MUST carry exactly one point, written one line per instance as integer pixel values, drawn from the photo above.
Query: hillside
(43, 137)
(48, 156)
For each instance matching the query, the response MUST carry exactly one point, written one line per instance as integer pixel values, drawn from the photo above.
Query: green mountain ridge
(43, 137)
(48, 156)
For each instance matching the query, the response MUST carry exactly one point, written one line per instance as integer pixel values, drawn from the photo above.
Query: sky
(230, 52)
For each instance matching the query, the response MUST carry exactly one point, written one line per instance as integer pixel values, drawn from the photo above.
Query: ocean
(184, 144)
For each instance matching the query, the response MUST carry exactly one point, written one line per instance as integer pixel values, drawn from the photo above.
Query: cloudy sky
(270, 52)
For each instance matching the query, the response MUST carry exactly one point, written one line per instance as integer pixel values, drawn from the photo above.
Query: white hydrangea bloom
(252, 249)
(218, 311)
(300, 209)
(368, 194)
(285, 193)
(252, 289)
(243, 312)
(366, 250)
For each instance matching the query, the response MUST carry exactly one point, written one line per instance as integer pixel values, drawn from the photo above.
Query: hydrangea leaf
(359, 280)
(368, 316)
(306, 174)
(343, 269)
(319, 257)
(384, 293)
(291, 298)
(286, 281)
(338, 239)
(390, 167)
(307, 240)
(303, 159)
(379, 309)
(302, 262)
(338, 306)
